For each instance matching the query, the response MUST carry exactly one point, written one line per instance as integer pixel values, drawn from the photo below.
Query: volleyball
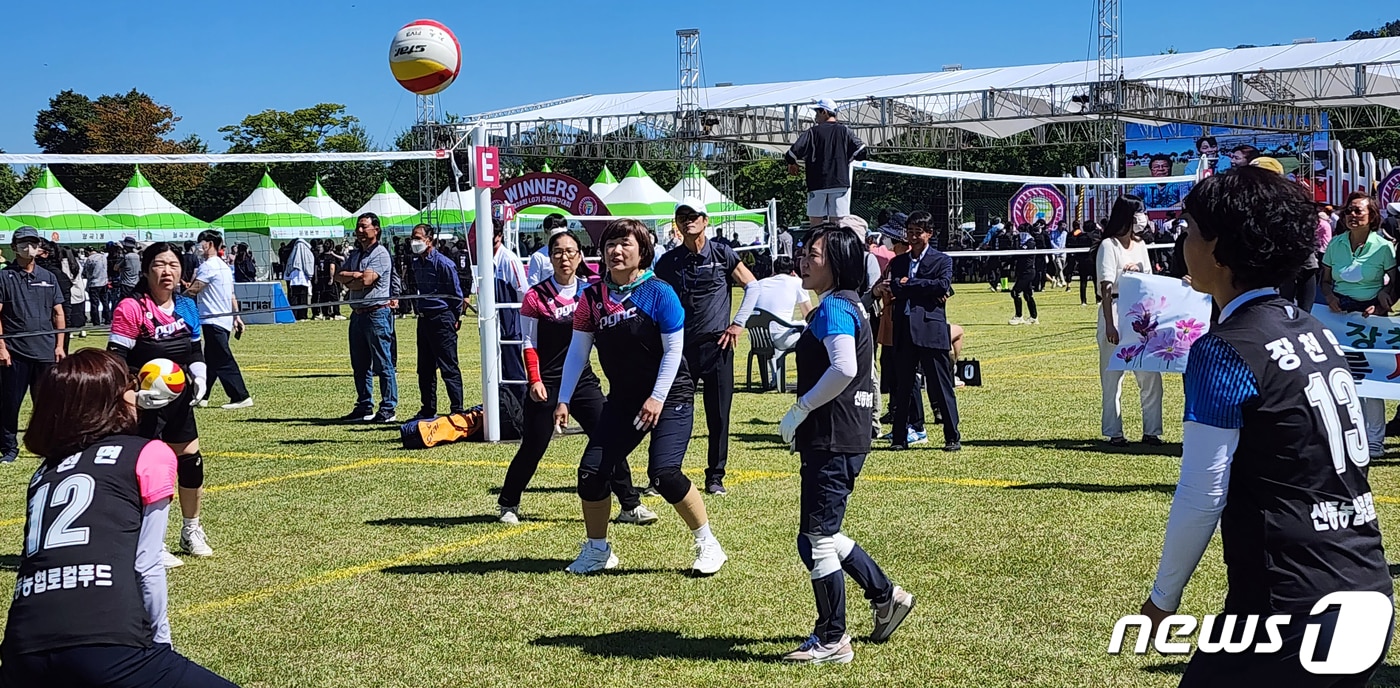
(425, 57)
(162, 377)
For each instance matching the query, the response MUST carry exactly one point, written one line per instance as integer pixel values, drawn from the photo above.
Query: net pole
(486, 299)
(773, 229)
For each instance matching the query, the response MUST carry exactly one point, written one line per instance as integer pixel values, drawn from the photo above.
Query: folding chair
(761, 347)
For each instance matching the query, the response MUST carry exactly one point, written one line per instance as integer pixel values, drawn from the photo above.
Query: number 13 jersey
(77, 581)
(1299, 520)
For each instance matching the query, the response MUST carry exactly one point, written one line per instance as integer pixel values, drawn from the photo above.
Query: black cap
(25, 233)
(129, 242)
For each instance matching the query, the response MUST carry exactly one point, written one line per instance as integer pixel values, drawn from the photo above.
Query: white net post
(486, 318)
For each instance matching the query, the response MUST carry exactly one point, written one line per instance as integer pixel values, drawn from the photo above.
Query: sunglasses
(1357, 211)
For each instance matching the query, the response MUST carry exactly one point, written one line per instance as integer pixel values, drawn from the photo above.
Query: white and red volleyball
(162, 376)
(425, 57)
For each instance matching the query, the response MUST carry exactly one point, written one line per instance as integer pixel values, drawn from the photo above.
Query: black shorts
(172, 424)
(156, 666)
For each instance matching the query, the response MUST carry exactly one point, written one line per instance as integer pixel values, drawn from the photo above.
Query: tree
(113, 124)
(321, 128)
(1389, 29)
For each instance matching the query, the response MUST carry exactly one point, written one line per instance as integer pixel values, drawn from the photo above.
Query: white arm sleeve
(1200, 497)
(841, 349)
(530, 331)
(748, 304)
(672, 350)
(151, 570)
(872, 269)
(580, 346)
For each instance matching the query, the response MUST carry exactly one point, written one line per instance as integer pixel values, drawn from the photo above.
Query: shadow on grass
(1173, 668)
(305, 441)
(293, 421)
(1160, 488)
(562, 489)
(312, 376)
(643, 644)
(759, 438)
(455, 521)
(1172, 449)
(481, 568)
(9, 562)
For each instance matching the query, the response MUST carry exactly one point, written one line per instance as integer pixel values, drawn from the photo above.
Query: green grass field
(342, 560)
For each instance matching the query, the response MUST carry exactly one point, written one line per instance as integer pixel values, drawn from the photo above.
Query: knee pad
(671, 483)
(591, 486)
(190, 470)
(844, 545)
(825, 559)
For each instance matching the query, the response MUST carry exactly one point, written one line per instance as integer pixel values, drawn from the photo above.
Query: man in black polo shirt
(702, 273)
(30, 301)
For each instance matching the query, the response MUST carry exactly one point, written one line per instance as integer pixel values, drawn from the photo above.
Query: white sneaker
(890, 615)
(204, 403)
(194, 541)
(1016, 321)
(592, 560)
(709, 558)
(1033, 321)
(235, 405)
(813, 652)
(169, 560)
(640, 516)
(510, 515)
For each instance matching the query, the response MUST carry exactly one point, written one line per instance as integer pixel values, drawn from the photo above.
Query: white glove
(151, 400)
(201, 385)
(793, 418)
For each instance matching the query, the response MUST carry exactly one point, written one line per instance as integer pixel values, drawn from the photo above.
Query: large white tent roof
(1305, 75)
(387, 204)
(638, 194)
(320, 204)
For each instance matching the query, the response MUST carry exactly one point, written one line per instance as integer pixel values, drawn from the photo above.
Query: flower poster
(1158, 320)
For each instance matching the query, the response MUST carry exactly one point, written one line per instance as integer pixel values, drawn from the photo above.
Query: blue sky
(215, 61)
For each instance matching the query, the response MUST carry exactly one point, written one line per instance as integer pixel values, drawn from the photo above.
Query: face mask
(29, 251)
(418, 247)
(1140, 221)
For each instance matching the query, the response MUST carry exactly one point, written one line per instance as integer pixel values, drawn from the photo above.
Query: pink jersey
(155, 472)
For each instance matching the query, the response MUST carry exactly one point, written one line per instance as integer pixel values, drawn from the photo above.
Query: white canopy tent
(695, 182)
(320, 204)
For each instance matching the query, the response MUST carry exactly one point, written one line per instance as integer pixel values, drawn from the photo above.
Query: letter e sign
(488, 167)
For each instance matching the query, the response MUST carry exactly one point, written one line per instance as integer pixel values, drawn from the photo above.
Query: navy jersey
(77, 582)
(1299, 520)
(627, 329)
(703, 280)
(843, 424)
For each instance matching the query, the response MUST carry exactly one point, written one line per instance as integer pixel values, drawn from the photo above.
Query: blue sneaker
(916, 437)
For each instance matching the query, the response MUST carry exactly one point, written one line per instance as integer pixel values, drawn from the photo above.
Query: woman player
(639, 328)
(155, 322)
(1274, 451)
(827, 427)
(90, 601)
(546, 325)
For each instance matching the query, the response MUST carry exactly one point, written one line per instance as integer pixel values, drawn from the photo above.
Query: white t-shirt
(540, 268)
(1113, 258)
(781, 295)
(217, 295)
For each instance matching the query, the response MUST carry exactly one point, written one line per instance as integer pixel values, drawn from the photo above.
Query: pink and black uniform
(546, 323)
(89, 605)
(639, 330)
(142, 332)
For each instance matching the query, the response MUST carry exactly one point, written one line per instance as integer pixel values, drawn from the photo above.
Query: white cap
(694, 204)
(558, 230)
(824, 104)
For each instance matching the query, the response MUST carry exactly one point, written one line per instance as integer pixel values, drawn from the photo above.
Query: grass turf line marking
(353, 571)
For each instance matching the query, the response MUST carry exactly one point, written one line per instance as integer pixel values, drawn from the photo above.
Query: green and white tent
(695, 183)
(60, 216)
(638, 195)
(535, 214)
(320, 204)
(142, 208)
(266, 215)
(7, 228)
(452, 213)
(391, 208)
(604, 184)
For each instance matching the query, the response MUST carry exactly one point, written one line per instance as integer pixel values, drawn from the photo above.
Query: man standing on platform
(702, 273)
(366, 273)
(211, 286)
(438, 321)
(827, 149)
(921, 281)
(30, 301)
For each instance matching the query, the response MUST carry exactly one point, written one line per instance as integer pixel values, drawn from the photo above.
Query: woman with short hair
(827, 426)
(1272, 453)
(153, 323)
(90, 599)
(546, 327)
(638, 325)
(1355, 269)
(1121, 251)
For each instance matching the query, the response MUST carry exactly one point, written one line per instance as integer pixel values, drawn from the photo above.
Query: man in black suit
(921, 280)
